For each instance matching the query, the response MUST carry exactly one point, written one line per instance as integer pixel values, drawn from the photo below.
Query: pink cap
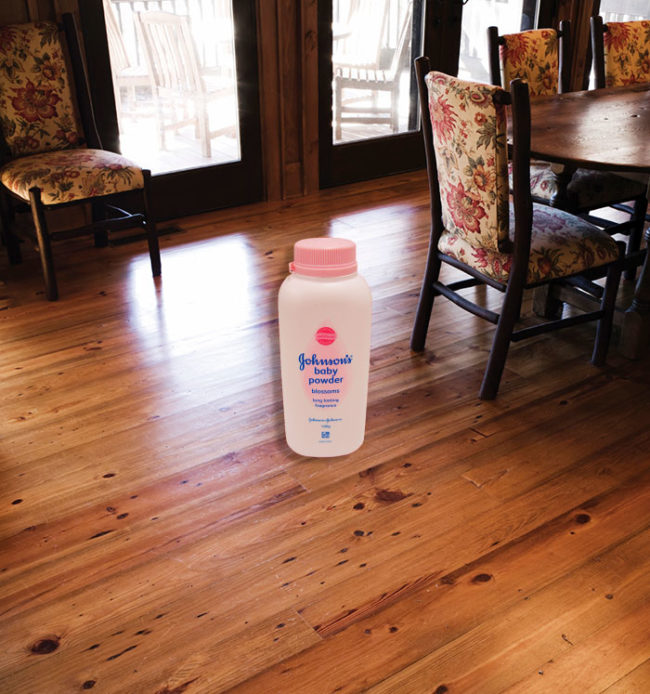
(324, 257)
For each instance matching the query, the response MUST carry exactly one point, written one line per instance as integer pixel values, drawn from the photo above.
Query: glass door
(180, 96)
(368, 95)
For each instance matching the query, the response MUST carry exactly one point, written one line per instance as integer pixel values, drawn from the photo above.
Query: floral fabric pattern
(469, 139)
(627, 52)
(532, 56)
(36, 105)
(561, 245)
(71, 174)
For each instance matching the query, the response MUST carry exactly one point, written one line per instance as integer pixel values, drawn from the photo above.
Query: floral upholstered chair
(541, 57)
(476, 229)
(621, 55)
(50, 159)
(621, 52)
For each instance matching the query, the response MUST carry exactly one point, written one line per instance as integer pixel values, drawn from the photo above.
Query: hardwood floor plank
(405, 630)
(540, 627)
(608, 655)
(635, 682)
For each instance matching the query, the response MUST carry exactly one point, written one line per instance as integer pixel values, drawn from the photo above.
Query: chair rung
(610, 226)
(542, 328)
(101, 225)
(464, 284)
(581, 282)
(629, 210)
(461, 301)
(347, 118)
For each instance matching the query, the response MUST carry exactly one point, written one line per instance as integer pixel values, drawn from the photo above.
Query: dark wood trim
(565, 54)
(270, 99)
(288, 47)
(310, 140)
(91, 23)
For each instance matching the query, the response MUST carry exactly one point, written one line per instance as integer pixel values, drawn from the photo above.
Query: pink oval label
(325, 336)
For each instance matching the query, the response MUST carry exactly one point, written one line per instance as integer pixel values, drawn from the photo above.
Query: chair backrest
(116, 48)
(38, 111)
(538, 56)
(402, 53)
(621, 52)
(170, 52)
(361, 43)
(468, 133)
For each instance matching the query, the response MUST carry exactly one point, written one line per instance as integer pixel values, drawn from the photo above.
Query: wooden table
(605, 129)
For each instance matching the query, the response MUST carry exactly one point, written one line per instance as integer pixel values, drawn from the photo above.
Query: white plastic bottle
(324, 316)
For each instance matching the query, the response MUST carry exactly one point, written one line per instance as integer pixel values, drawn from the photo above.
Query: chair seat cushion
(71, 174)
(561, 245)
(587, 189)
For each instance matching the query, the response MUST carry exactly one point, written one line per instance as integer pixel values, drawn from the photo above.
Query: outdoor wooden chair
(52, 156)
(474, 228)
(126, 76)
(542, 57)
(182, 90)
(364, 75)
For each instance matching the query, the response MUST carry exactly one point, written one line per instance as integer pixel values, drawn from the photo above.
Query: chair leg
(501, 342)
(150, 225)
(545, 305)
(204, 127)
(425, 303)
(9, 239)
(98, 212)
(607, 306)
(634, 241)
(44, 246)
(160, 111)
(394, 108)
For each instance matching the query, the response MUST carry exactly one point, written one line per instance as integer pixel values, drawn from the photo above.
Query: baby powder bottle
(324, 314)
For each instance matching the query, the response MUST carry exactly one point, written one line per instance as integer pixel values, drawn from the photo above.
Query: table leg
(635, 336)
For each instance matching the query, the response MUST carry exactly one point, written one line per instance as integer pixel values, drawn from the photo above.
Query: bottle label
(325, 369)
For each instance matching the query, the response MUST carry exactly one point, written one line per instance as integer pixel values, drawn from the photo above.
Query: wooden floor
(158, 536)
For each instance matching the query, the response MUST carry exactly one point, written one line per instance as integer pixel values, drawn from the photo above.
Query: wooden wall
(287, 36)
(579, 12)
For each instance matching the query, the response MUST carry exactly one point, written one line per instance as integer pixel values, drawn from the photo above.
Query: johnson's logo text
(315, 361)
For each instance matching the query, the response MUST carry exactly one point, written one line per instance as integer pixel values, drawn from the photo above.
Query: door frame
(382, 156)
(192, 191)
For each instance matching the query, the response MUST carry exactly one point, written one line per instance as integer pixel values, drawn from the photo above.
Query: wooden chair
(52, 154)
(178, 82)
(621, 53)
(474, 228)
(542, 57)
(365, 73)
(125, 75)
(358, 40)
